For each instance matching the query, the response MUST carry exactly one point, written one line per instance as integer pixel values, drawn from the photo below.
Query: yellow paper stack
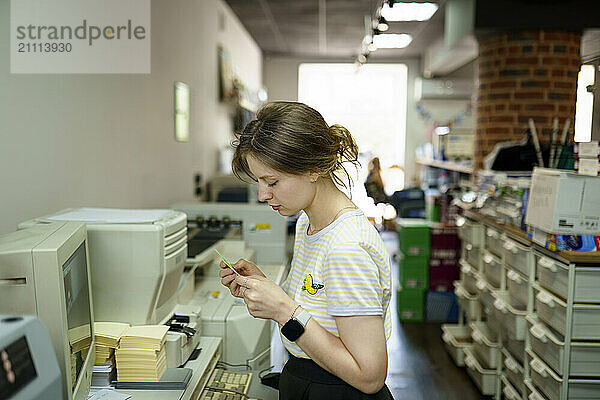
(141, 354)
(107, 339)
(80, 339)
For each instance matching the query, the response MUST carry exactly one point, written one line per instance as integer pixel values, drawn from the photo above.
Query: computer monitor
(44, 271)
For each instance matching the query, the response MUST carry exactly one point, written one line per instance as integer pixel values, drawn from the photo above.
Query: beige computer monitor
(44, 271)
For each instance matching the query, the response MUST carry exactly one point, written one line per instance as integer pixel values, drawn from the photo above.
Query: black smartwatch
(294, 328)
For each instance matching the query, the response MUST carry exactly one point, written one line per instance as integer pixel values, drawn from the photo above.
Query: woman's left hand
(265, 299)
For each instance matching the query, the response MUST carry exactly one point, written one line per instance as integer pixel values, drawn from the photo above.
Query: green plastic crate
(413, 272)
(411, 305)
(414, 237)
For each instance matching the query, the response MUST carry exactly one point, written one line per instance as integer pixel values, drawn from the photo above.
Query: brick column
(522, 75)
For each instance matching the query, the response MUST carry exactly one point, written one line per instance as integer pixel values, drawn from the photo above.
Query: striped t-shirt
(342, 270)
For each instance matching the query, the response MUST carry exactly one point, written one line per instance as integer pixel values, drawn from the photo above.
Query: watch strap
(303, 317)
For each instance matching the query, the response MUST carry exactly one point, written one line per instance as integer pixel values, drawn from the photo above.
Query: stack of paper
(107, 336)
(103, 374)
(80, 339)
(141, 354)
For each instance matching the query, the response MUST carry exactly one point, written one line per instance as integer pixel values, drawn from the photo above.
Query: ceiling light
(392, 40)
(382, 24)
(442, 130)
(408, 11)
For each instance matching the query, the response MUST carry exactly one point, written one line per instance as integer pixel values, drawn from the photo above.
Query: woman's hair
(293, 138)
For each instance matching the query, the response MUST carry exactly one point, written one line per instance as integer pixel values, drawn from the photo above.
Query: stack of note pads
(141, 354)
(80, 340)
(107, 336)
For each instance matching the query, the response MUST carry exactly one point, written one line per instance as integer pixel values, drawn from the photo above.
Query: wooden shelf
(450, 166)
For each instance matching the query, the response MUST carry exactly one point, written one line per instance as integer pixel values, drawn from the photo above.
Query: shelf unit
(447, 165)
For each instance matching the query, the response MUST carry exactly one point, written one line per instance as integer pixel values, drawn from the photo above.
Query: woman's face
(285, 193)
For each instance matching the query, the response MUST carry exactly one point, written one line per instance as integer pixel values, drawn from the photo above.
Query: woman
(333, 307)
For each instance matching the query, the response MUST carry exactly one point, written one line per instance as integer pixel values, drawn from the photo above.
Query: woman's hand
(265, 299)
(244, 267)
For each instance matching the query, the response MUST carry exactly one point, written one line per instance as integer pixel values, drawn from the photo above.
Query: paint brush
(562, 142)
(553, 143)
(536, 143)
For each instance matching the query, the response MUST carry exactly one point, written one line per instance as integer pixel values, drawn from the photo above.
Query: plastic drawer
(485, 345)
(468, 277)
(516, 348)
(470, 231)
(485, 379)
(494, 241)
(508, 391)
(469, 303)
(518, 257)
(512, 319)
(550, 348)
(554, 276)
(472, 255)
(492, 268)
(550, 383)
(518, 288)
(456, 339)
(532, 392)
(552, 310)
(513, 372)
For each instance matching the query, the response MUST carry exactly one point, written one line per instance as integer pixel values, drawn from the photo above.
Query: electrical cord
(227, 365)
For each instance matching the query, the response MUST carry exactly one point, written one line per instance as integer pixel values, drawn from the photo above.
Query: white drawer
(472, 255)
(513, 371)
(518, 257)
(554, 276)
(494, 241)
(508, 391)
(468, 302)
(550, 348)
(485, 379)
(532, 393)
(585, 324)
(492, 268)
(470, 231)
(512, 319)
(515, 347)
(456, 339)
(468, 277)
(518, 288)
(485, 345)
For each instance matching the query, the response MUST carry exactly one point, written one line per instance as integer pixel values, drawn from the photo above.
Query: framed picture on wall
(182, 112)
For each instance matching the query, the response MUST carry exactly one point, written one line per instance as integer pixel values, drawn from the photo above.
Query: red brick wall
(522, 75)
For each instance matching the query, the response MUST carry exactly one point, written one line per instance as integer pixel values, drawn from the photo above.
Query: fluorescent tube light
(408, 11)
(392, 40)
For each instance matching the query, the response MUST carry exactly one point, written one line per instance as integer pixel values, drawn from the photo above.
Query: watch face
(292, 330)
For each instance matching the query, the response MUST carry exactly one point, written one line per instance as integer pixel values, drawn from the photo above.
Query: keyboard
(223, 385)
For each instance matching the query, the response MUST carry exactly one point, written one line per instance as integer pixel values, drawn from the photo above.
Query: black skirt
(303, 379)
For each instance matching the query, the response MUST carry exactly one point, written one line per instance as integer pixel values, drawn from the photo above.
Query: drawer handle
(477, 336)
(545, 298)
(480, 284)
(469, 246)
(547, 263)
(514, 276)
(487, 259)
(509, 393)
(460, 221)
(510, 364)
(500, 306)
(465, 269)
(539, 332)
(508, 246)
(470, 362)
(538, 367)
(535, 396)
(492, 233)
(461, 292)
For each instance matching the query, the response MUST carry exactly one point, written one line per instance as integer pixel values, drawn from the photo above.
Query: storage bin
(508, 391)
(550, 383)
(414, 237)
(513, 372)
(516, 348)
(518, 288)
(517, 256)
(554, 277)
(441, 307)
(485, 345)
(532, 393)
(468, 277)
(456, 339)
(492, 269)
(411, 305)
(467, 302)
(512, 319)
(485, 379)
(493, 241)
(470, 231)
(550, 348)
(472, 255)
(442, 274)
(444, 237)
(585, 324)
(413, 271)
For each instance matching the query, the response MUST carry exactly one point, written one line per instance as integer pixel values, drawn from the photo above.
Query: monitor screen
(78, 309)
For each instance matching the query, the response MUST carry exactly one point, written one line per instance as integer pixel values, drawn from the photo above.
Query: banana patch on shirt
(310, 286)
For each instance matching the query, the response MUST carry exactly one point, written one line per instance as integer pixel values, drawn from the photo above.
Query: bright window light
(392, 40)
(409, 11)
(442, 130)
(584, 105)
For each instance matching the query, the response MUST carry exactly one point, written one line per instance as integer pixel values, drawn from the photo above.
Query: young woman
(333, 307)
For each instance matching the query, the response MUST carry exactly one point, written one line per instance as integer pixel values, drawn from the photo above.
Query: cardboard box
(562, 202)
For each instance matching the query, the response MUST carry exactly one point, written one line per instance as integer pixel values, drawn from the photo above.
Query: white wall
(107, 140)
(281, 79)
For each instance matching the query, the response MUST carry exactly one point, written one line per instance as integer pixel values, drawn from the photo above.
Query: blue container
(441, 307)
